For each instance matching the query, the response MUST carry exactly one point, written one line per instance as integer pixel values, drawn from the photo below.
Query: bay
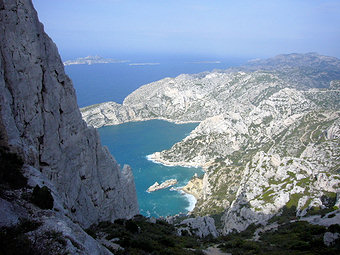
(130, 143)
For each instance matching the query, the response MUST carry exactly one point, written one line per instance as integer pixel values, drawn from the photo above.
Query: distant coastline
(144, 64)
(90, 60)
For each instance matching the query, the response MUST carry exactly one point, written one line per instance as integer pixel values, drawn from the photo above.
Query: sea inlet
(132, 142)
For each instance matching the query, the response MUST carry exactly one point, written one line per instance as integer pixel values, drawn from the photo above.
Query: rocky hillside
(268, 139)
(257, 165)
(44, 137)
(197, 97)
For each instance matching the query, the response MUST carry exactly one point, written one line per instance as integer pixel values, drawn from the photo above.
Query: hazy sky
(247, 28)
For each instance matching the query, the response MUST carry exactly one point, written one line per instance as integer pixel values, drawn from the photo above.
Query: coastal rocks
(109, 113)
(199, 226)
(163, 185)
(158, 157)
(41, 122)
(194, 187)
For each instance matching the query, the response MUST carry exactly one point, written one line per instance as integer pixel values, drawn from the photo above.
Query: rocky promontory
(163, 185)
(194, 187)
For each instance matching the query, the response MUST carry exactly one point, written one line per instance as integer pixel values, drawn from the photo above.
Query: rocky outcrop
(199, 226)
(329, 238)
(163, 185)
(40, 121)
(194, 187)
(57, 232)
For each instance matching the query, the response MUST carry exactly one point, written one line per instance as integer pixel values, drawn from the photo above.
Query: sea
(132, 143)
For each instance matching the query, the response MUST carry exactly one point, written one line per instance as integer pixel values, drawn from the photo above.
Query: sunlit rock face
(40, 120)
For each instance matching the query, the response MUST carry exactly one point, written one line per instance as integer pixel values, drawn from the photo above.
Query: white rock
(329, 238)
(200, 226)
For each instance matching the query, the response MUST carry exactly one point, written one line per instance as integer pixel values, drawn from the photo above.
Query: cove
(130, 143)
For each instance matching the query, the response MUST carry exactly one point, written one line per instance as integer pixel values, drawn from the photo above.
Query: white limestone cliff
(40, 121)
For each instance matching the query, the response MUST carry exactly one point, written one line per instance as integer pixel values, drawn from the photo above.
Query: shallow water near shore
(132, 142)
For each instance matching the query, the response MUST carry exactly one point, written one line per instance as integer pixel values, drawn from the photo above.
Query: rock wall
(40, 120)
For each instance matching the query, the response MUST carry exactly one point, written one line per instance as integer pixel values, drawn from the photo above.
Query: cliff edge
(40, 121)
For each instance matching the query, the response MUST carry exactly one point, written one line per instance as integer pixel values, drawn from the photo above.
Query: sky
(237, 28)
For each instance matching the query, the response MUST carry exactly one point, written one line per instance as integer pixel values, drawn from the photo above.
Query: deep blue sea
(130, 143)
(100, 83)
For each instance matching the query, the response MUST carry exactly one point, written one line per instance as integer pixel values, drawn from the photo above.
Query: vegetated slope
(257, 165)
(268, 137)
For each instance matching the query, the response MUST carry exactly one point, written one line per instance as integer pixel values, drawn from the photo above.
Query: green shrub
(10, 169)
(131, 226)
(139, 236)
(42, 197)
(118, 221)
(300, 238)
(90, 231)
(143, 243)
(286, 214)
(334, 228)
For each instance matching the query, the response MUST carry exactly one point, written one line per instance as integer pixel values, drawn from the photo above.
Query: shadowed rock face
(40, 120)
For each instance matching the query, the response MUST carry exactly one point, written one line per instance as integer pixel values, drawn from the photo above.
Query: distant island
(144, 64)
(90, 60)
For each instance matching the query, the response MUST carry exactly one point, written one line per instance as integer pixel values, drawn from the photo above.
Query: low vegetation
(14, 241)
(140, 236)
(42, 197)
(290, 238)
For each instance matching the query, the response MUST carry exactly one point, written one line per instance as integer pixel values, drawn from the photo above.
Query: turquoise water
(130, 143)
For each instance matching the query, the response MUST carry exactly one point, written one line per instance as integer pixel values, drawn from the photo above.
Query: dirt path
(215, 251)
